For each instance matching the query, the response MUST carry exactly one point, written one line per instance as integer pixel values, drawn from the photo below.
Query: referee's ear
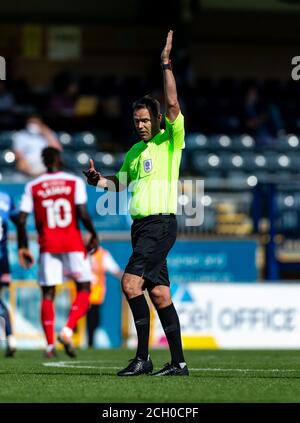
(159, 116)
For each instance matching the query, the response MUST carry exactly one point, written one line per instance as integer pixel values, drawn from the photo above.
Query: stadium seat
(66, 140)
(237, 179)
(220, 142)
(232, 162)
(275, 161)
(204, 160)
(106, 160)
(76, 162)
(249, 161)
(196, 141)
(290, 142)
(6, 139)
(243, 142)
(84, 141)
(7, 159)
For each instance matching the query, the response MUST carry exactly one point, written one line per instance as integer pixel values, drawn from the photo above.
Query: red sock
(47, 317)
(79, 308)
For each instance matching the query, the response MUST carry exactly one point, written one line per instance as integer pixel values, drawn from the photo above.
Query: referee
(151, 167)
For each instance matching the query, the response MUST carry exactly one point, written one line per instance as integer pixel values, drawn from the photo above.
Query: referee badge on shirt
(147, 165)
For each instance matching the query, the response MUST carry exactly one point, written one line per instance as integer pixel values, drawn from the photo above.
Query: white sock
(11, 342)
(50, 347)
(67, 331)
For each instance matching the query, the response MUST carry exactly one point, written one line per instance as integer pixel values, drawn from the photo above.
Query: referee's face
(145, 124)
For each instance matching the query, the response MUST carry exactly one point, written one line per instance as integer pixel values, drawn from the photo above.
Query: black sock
(141, 316)
(170, 323)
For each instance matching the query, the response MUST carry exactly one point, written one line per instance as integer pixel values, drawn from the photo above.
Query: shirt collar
(155, 137)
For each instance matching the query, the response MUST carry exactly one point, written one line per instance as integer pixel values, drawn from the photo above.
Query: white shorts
(55, 268)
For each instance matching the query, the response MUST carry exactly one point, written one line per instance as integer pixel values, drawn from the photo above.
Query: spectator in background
(262, 120)
(29, 143)
(102, 262)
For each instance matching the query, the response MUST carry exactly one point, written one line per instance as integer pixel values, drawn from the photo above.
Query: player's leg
(48, 318)
(80, 305)
(158, 285)
(50, 275)
(132, 286)
(5, 279)
(161, 297)
(151, 243)
(7, 327)
(79, 309)
(77, 266)
(92, 320)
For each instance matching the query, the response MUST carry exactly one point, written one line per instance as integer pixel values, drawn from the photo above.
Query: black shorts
(152, 238)
(4, 270)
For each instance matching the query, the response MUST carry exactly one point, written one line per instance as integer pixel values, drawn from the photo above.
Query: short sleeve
(26, 205)
(109, 264)
(176, 131)
(123, 174)
(80, 192)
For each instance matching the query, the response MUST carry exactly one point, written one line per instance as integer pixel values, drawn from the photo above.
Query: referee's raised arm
(171, 99)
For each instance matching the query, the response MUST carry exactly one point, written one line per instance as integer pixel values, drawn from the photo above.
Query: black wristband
(165, 66)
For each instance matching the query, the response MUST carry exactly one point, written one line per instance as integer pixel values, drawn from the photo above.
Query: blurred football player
(58, 200)
(102, 262)
(7, 212)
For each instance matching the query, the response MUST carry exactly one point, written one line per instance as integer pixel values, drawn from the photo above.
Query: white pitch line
(79, 365)
(75, 365)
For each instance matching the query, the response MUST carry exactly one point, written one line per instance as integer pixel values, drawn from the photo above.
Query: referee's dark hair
(51, 156)
(148, 102)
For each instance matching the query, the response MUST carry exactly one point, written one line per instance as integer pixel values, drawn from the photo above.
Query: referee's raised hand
(92, 176)
(165, 55)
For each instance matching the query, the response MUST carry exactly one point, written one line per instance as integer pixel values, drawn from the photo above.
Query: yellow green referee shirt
(151, 171)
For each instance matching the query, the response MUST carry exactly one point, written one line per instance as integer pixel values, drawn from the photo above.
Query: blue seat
(104, 159)
(243, 142)
(7, 158)
(220, 142)
(84, 141)
(196, 141)
(66, 140)
(288, 143)
(203, 161)
(6, 138)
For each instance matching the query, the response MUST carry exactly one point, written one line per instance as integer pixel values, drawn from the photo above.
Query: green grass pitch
(215, 376)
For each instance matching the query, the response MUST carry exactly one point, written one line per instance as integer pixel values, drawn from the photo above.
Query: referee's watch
(166, 66)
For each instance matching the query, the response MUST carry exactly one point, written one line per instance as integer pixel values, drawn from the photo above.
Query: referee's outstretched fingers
(92, 166)
(91, 170)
